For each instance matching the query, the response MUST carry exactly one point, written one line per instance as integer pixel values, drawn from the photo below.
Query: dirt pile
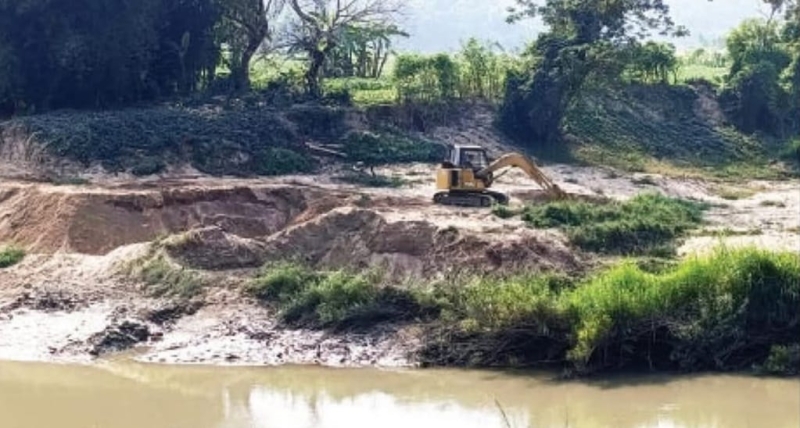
(211, 248)
(232, 227)
(50, 219)
(361, 238)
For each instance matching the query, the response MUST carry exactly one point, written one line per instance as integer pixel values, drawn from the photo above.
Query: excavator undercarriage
(470, 199)
(465, 177)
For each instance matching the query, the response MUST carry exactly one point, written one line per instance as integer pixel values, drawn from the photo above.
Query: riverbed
(123, 394)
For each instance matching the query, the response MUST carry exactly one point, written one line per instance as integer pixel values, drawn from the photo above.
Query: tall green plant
(424, 79)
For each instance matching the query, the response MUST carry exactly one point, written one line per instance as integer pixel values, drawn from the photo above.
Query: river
(132, 395)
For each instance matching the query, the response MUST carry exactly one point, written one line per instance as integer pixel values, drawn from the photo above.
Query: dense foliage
(94, 53)
(583, 42)
(757, 98)
(646, 224)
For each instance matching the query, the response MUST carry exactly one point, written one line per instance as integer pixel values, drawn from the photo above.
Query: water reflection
(268, 408)
(122, 395)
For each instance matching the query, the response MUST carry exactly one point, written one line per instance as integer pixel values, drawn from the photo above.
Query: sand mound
(212, 249)
(361, 238)
(50, 219)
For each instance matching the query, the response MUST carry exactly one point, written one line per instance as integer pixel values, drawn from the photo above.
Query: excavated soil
(48, 219)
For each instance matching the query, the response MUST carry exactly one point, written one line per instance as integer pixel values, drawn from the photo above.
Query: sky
(441, 25)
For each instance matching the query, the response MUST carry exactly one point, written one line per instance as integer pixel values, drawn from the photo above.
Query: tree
(363, 50)
(321, 26)
(246, 26)
(754, 41)
(98, 53)
(755, 97)
(653, 62)
(583, 40)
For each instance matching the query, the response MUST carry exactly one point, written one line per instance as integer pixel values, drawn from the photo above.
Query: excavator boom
(516, 160)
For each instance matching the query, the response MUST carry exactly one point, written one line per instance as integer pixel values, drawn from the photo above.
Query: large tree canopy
(584, 39)
(323, 25)
(91, 53)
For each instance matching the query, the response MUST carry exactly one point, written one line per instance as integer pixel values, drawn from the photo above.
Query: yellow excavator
(464, 178)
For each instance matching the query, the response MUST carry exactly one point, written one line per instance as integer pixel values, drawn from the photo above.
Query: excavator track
(470, 199)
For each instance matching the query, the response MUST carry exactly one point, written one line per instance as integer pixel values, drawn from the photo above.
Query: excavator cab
(459, 177)
(472, 157)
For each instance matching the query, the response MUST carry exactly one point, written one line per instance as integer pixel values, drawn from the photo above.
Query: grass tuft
(164, 279)
(10, 255)
(334, 299)
(504, 212)
(645, 224)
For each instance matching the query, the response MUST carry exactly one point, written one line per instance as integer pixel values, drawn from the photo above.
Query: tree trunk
(241, 75)
(313, 74)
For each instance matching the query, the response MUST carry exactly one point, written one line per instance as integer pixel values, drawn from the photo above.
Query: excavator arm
(516, 160)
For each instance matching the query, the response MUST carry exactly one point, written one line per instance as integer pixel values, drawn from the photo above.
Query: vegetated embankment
(305, 270)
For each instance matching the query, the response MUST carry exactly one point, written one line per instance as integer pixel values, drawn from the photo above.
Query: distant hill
(440, 25)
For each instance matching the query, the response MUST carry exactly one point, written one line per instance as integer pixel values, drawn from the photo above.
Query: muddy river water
(130, 395)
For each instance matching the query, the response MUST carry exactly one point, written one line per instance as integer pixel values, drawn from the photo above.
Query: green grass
(332, 299)
(164, 279)
(691, 72)
(10, 255)
(656, 129)
(645, 224)
(707, 305)
(364, 92)
(732, 309)
(719, 312)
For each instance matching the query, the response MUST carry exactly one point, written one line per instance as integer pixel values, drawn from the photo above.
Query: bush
(218, 140)
(782, 360)
(645, 224)
(791, 152)
(163, 279)
(278, 161)
(503, 211)
(379, 148)
(336, 299)
(369, 180)
(10, 255)
(730, 310)
(715, 312)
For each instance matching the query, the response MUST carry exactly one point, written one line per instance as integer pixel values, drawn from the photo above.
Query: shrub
(644, 224)
(782, 360)
(279, 161)
(335, 299)
(708, 313)
(163, 279)
(369, 180)
(10, 255)
(378, 148)
(503, 211)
